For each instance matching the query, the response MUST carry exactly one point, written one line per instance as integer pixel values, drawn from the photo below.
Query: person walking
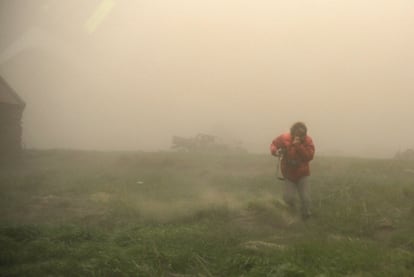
(296, 150)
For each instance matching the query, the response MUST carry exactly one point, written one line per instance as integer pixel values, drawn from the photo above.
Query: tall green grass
(74, 213)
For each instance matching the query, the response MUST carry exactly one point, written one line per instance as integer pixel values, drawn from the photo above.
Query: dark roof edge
(15, 95)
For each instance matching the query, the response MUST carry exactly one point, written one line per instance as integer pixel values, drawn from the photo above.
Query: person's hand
(297, 140)
(279, 152)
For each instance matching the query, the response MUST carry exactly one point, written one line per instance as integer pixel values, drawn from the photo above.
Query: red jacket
(296, 158)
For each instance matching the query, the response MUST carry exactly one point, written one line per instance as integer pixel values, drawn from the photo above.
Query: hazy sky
(128, 75)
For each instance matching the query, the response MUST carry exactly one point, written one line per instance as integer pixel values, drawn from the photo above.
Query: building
(11, 111)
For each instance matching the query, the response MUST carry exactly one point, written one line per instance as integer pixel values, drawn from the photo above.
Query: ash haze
(128, 75)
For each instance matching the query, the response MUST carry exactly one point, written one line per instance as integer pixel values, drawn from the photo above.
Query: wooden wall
(10, 130)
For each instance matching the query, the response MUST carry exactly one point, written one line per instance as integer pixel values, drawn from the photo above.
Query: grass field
(74, 213)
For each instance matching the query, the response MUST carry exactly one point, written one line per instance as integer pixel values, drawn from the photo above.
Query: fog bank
(128, 75)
